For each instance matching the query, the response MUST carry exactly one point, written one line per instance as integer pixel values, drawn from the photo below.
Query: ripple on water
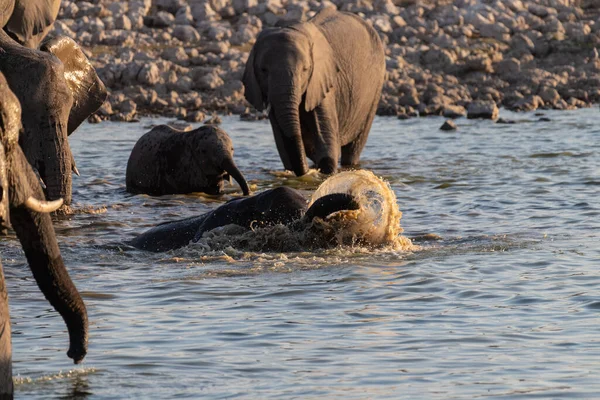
(499, 300)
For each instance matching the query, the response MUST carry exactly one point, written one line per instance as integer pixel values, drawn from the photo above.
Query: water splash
(375, 224)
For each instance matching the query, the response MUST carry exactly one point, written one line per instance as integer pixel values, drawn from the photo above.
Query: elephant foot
(327, 165)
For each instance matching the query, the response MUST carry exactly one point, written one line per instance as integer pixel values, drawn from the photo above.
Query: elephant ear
(31, 18)
(86, 87)
(324, 67)
(252, 90)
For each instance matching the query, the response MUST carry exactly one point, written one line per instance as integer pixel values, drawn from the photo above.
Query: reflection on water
(498, 301)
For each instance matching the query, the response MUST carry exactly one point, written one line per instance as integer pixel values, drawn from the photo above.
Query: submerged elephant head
(291, 70)
(58, 89)
(169, 161)
(21, 194)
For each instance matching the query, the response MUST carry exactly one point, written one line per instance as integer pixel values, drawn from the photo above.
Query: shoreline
(184, 59)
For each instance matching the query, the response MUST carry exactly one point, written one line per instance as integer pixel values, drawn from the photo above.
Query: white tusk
(43, 206)
(74, 168)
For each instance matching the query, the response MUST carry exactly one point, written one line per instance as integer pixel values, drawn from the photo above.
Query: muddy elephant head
(169, 161)
(58, 89)
(291, 70)
(282, 205)
(28, 21)
(23, 207)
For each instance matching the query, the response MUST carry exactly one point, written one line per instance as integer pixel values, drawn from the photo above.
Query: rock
(528, 103)
(162, 19)
(242, 6)
(454, 111)
(521, 44)
(176, 55)
(149, 75)
(505, 121)
(184, 16)
(122, 22)
(186, 33)
(482, 109)
(495, 31)
(439, 59)
(213, 120)
(202, 11)
(195, 116)
(209, 81)
(449, 125)
(549, 95)
(509, 67)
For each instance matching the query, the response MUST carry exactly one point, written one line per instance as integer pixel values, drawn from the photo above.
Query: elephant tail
(329, 204)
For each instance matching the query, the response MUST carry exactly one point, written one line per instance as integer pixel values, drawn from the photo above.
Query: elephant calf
(169, 161)
(281, 205)
(322, 80)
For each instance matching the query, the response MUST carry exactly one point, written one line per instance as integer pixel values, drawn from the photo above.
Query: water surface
(504, 305)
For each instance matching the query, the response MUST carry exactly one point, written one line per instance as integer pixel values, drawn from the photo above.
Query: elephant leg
(278, 133)
(351, 151)
(6, 382)
(321, 135)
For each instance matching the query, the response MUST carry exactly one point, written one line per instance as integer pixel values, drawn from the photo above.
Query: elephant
(20, 207)
(322, 81)
(58, 89)
(28, 21)
(282, 205)
(169, 161)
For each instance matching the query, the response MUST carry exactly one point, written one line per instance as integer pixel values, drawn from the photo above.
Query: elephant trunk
(326, 205)
(286, 104)
(232, 169)
(37, 237)
(54, 163)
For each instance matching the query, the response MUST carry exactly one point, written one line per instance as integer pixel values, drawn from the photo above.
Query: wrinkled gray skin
(169, 161)
(58, 89)
(18, 184)
(28, 21)
(282, 205)
(322, 80)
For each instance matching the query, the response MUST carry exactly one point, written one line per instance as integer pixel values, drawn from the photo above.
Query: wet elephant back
(169, 235)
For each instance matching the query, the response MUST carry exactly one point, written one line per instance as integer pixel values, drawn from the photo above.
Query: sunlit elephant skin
(281, 205)
(20, 207)
(58, 89)
(28, 21)
(322, 80)
(169, 161)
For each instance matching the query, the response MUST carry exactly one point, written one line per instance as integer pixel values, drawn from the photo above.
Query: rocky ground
(185, 58)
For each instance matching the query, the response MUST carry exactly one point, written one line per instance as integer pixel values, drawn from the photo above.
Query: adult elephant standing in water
(19, 191)
(58, 89)
(322, 80)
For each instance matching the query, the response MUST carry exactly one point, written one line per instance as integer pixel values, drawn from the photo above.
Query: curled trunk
(232, 169)
(329, 204)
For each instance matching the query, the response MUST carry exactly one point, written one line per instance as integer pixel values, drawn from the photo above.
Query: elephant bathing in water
(168, 161)
(58, 89)
(322, 80)
(281, 205)
(19, 191)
